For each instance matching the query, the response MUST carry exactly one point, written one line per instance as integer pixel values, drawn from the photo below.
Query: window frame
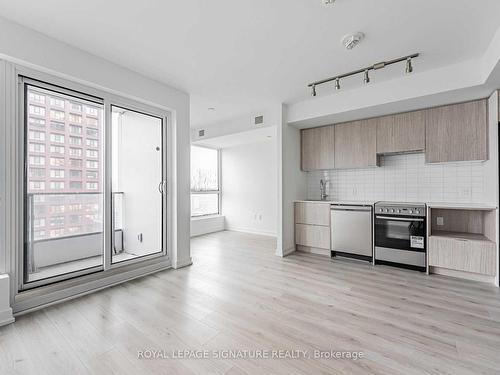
(219, 180)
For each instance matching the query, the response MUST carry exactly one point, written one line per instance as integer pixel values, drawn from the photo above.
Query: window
(40, 122)
(37, 160)
(77, 141)
(75, 151)
(56, 115)
(57, 149)
(92, 121)
(57, 209)
(75, 163)
(75, 129)
(73, 173)
(92, 164)
(57, 138)
(92, 185)
(56, 221)
(37, 172)
(57, 162)
(37, 147)
(91, 111)
(57, 126)
(57, 173)
(75, 184)
(75, 118)
(205, 191)
(92, 175)
(37, 223)
(35, 97)
(57, 185)
(91, 132)
(36, 110)
(39, 136)
(92, 153)
(75, 107)
(37, 185)
(92, 143)
(55, 102)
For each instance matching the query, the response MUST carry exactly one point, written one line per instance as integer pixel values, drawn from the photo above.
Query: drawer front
(312, 213)
(462, 255)
(312, 236)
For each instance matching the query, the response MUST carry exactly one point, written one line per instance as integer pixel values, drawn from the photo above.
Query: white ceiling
(265, 134)
(243, 56)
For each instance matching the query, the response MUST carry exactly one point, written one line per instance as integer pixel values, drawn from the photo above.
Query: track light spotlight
(337, 84)
(367, 77)
(313, 90)
(409, 66)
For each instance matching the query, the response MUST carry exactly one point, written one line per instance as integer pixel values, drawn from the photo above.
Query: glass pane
(204, 204)
(64, 208)
(204, 169)
(136, 174)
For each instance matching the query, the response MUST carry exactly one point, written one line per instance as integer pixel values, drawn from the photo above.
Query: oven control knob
(398, 211)
(386, 210)
(392, 210)
(381, 210)
(411, 211)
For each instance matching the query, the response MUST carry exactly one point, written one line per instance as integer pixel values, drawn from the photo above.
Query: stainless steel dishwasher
(351, 231)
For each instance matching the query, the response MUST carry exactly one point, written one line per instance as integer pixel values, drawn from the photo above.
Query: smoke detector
(350, 41)
(328, 2)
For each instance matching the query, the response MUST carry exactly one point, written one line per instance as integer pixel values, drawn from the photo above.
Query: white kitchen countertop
(354, 203)
(463, 206)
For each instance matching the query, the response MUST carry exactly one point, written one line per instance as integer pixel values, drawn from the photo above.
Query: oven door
(400, 232)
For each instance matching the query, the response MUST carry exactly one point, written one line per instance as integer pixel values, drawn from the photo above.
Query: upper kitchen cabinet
(404, 132)
(457, 132)
(318, 148)
(356, 144)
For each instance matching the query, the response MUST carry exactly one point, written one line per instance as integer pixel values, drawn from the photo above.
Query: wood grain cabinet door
(356, 144)
(404, 132)
(317, 148)
(457, 132)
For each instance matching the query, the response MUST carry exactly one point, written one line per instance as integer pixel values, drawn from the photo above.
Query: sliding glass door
(64, 183)
(94, 183)
(138, 185)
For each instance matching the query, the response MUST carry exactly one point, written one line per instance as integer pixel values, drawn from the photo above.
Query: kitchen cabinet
(312, 213)
(317, 148)
(404, 132)
(457, 132)
(356, 144)
(312, 236)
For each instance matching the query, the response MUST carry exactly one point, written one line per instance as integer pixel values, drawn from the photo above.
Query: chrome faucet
(322, 189)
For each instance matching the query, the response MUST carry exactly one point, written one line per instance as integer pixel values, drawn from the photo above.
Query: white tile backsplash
(405, 178)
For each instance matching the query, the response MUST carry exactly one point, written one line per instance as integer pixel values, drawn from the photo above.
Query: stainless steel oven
(400, 235)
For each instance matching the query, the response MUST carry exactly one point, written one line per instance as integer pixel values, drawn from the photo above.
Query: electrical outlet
(439, 220)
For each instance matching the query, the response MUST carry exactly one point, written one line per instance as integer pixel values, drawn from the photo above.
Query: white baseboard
(6, 317)
(251, 231)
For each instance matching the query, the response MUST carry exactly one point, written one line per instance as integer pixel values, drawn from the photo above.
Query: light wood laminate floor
(238, 295)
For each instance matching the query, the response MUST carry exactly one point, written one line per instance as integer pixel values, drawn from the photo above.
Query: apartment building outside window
(37, 135)
(92, 164)
(57, 126)
(91, 132)
(56, 115)
(37, 185)
(75, 118)
(55, 102)
(37, 147)
(205, 181)
(92, 154)
(74, 173)
(57, 138)
(75, 151)
(38, 122)
(57, 149)
(92, 143)
(92, 185)
(37, 160)
(56, 162)
(57, 185)
(75, 184)
(36, 110)
(77, 141)
(57, 173)
(75, 129)
(75, 107)
(33, 97)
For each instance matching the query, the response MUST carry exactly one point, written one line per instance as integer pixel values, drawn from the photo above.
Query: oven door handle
(400, 218)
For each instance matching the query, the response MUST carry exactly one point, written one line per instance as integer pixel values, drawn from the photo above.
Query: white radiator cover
(5, 309)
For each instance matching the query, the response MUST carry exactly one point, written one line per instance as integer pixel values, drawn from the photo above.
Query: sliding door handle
(160, 187)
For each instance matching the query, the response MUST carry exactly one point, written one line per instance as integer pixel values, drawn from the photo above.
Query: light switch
(440, 220)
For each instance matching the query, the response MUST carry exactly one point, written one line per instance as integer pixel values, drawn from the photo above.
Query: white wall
(292, 183)
(249, 185)
(29, 48)
(205, 225)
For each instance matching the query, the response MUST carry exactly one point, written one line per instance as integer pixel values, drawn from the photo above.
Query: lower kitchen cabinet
(468, 255)
(312, 236)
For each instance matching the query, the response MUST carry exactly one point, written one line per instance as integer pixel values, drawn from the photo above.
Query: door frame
(27, 299)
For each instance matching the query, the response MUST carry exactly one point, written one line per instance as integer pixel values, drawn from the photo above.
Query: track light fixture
(367, 77)
(365, 72)
(409, 66)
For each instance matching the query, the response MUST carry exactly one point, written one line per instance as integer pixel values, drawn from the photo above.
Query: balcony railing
(68, 227)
